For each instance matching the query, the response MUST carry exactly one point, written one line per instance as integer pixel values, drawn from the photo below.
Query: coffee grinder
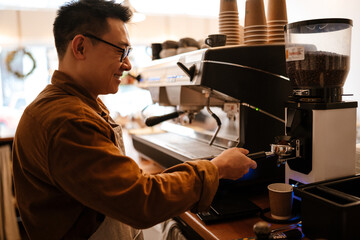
(320, 127)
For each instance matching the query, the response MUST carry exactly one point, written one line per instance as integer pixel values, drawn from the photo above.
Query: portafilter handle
(283, 153)
(260, 155)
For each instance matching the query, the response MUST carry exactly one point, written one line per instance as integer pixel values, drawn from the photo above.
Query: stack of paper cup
(276, 19)
(255, 30)
(229, 21)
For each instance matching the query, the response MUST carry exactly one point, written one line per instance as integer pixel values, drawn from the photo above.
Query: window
(16, 92)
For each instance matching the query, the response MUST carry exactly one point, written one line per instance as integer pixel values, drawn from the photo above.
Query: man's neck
(77, 78)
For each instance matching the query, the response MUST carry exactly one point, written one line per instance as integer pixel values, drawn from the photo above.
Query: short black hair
(85, 16)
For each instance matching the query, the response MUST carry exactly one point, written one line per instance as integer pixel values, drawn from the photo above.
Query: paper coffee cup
(254, 13)
(250, 33)
(228, 5)
(281, 199)
(276, 10)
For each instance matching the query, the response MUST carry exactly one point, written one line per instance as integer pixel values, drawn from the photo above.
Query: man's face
(103, 62)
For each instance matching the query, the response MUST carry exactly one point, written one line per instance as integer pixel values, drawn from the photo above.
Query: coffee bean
(318, 70)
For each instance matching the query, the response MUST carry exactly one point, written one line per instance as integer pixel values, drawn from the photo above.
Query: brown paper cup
(228, 13)
(276, 35)
(228, 5)
(255, 29)
(276, 41)
(248, 33)
(255, 42)
(281, 199)
(276, 10)
(254, 13)
(276, 23)
(261, 37)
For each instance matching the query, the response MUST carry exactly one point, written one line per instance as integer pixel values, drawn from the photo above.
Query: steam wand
(217, 119)
(151, 121)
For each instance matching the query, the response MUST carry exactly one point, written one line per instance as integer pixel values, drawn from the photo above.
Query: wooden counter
(228, 230)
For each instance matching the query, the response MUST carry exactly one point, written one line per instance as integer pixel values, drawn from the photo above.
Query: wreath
(12, 56)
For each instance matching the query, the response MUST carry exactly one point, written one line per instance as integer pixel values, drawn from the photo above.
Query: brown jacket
(69, 173)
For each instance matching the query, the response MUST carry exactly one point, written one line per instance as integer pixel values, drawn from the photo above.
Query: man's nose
(126, 65)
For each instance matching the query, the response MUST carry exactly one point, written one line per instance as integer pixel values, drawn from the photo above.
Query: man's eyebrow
(121, 43)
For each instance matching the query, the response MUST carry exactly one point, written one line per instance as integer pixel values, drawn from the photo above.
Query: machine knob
(188, 71)
(262, 230)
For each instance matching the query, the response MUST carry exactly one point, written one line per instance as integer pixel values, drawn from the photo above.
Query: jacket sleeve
(85, 164)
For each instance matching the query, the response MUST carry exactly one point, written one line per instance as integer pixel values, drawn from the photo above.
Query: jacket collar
(67, 84)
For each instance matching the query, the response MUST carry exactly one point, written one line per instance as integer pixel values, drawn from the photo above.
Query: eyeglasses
(125, 51)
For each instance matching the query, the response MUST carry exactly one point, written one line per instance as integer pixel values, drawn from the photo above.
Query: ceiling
(153, 7)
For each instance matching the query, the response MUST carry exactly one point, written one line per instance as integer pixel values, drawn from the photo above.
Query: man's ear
(78, 47)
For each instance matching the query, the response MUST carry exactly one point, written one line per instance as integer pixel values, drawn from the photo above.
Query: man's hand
(233, 163)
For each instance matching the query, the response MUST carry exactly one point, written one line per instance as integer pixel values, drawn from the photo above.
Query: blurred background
(27, 25)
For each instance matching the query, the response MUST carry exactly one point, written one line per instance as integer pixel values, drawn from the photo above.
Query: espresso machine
(230, 96)
(320, 127)
(210, 100)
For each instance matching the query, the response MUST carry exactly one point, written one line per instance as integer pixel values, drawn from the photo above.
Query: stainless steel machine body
(245, 86)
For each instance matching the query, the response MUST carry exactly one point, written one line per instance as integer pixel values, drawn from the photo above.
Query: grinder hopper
(318, 58)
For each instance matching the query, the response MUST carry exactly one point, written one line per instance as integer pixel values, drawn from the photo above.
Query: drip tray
(185, 146)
